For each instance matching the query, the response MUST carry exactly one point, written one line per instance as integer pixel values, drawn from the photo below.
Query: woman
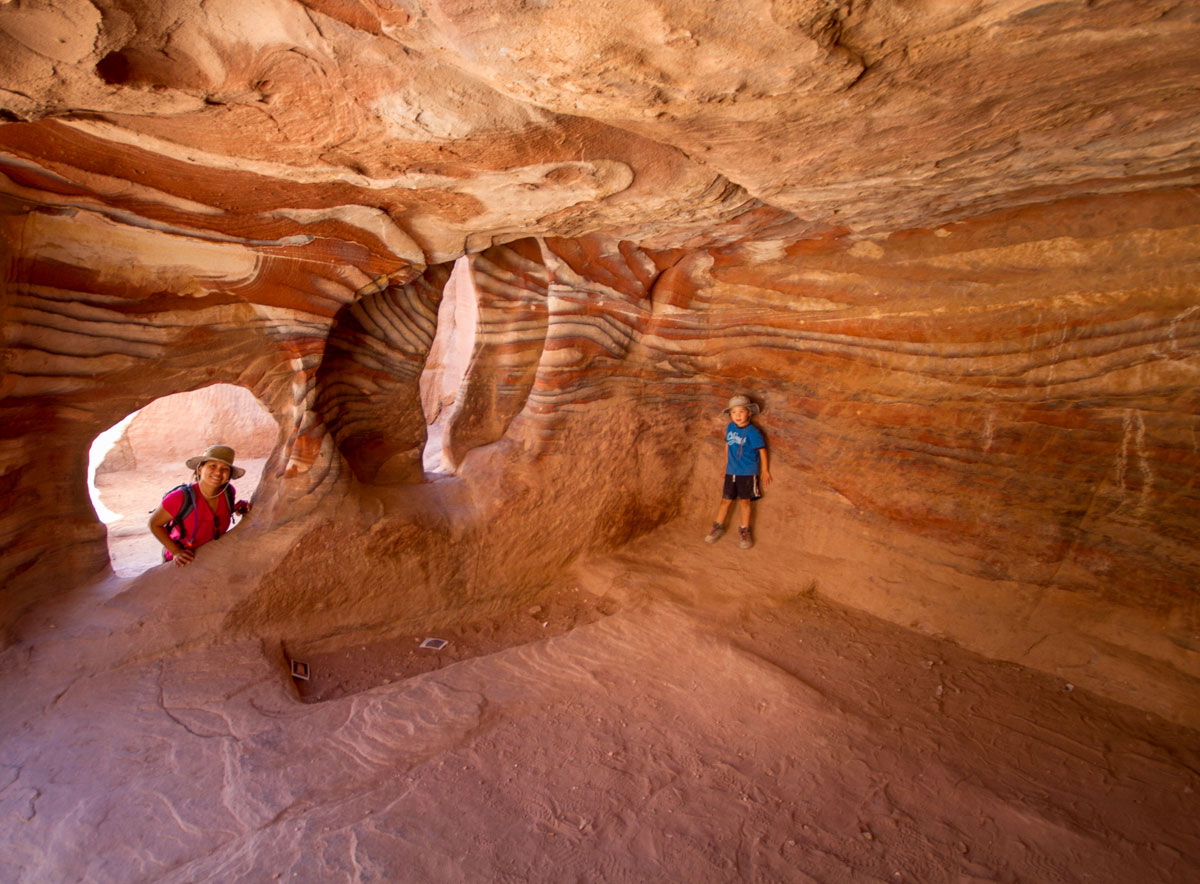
(192, 515)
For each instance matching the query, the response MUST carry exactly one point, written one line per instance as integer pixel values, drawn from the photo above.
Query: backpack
(176, 527)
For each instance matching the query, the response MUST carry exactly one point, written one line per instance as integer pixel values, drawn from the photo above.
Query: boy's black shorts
(741, 488)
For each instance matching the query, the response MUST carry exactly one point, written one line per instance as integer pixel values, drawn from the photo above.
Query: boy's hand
(766, 477)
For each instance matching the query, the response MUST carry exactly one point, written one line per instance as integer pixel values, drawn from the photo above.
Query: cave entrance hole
(446, 365)
(133, 463)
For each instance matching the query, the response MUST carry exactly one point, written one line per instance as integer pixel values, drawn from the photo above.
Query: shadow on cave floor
(341, 671)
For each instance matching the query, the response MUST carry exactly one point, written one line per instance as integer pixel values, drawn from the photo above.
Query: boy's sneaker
(715, 534)
(745, 542)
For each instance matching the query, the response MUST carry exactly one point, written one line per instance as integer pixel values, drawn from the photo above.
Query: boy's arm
(763, 470)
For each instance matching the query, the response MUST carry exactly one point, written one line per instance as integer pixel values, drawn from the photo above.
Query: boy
(746, 461)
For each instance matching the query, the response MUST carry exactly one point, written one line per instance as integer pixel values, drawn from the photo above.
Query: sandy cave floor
(688, 736)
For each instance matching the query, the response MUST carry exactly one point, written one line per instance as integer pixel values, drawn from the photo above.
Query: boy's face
(740, 415)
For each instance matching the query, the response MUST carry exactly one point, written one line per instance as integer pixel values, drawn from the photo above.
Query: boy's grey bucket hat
(744, 401)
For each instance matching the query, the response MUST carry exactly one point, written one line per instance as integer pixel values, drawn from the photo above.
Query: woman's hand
(241, 508)
(158, 527)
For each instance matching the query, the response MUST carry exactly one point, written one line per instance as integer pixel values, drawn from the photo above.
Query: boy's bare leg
(718, 527)
(744, 510)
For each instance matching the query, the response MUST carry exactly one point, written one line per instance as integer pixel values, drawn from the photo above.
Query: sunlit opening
(135, 462)
(447, 363)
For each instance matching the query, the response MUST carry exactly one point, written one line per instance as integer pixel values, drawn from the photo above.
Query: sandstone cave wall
(101, 317)
(342, 523)
(567, 440)
(1019, 388)
(985, 430)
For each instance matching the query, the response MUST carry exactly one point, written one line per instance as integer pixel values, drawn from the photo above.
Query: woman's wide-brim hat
(220, 453)
(743, 401)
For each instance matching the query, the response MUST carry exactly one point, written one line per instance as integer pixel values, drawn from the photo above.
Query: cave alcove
(136, 460)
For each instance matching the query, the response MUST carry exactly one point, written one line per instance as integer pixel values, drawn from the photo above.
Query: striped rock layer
(952, 251)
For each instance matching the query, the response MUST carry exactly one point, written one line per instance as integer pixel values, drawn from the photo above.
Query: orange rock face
(951, 249)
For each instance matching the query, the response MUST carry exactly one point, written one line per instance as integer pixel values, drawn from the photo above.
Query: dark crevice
(115, 69)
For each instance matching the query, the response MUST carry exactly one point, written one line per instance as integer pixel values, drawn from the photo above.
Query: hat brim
(193, 463)
(754, 409)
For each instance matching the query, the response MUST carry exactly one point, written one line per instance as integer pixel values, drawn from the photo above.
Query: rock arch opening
(134, 462)
(446, 365)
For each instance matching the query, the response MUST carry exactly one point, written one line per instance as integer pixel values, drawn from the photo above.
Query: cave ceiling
(412, 132)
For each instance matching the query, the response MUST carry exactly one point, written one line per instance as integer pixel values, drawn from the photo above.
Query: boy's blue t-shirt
(743, 443)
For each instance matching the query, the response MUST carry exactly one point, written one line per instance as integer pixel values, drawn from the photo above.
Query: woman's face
(213, 473)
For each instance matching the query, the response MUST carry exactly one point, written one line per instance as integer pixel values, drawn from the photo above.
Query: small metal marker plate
(435, 644)
(299, 670)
